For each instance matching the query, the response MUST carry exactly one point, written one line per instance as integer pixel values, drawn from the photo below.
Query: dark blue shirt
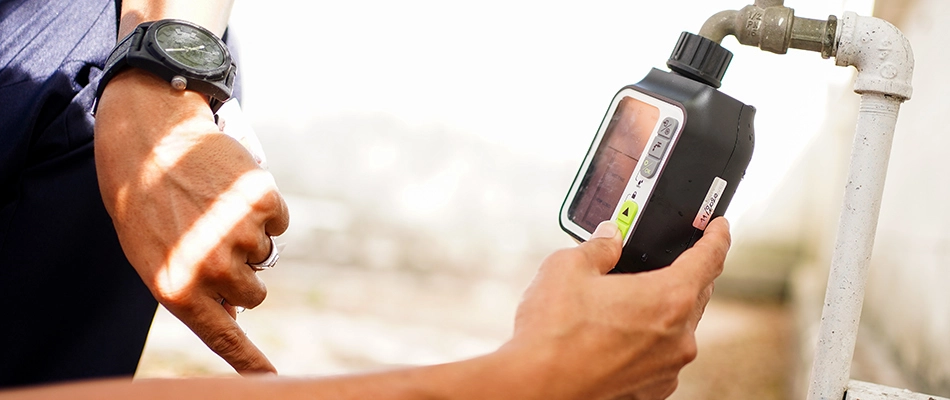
(73, 307)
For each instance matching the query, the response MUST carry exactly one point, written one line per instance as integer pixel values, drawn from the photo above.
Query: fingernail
(606, 229)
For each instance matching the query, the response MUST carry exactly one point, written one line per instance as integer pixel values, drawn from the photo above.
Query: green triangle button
(627, 212)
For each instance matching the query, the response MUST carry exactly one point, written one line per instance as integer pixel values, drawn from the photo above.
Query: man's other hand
(599, 336)
(191, 208)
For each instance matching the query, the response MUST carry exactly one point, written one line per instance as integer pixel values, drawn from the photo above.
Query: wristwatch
(186, 55)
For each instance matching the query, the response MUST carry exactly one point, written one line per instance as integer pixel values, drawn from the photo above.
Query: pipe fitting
(881, 54)
(720, 25)
(772, 28)
(815, 35)
(769, 3)
(769, 29)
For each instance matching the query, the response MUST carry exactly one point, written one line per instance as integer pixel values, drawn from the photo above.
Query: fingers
(276, 219)
(701, 301)
(232, 310)
(603, 249)
(224, 272)
(252, 246)
(272, 209)
(704, 260)
(280, 219)
(261, 250)
(221, 333)
(267, 205)
(597, 256)
(702, 263)
(660, 389)
(242, 288)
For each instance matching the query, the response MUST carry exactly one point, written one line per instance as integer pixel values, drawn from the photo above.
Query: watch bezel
(155, 49)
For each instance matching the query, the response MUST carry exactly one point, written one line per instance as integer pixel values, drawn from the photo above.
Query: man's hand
(623, 336)
(191, 208)
(578, 335)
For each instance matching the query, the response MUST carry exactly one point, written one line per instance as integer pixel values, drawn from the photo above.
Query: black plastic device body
(714, 144)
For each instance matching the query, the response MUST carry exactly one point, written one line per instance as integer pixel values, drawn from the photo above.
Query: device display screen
(614, 163)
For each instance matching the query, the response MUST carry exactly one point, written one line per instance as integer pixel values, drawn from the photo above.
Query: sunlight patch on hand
(207, 233)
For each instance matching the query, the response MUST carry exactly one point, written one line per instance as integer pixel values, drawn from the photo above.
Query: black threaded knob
(700, 59)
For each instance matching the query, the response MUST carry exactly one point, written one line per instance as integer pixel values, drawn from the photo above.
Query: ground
(328, 319)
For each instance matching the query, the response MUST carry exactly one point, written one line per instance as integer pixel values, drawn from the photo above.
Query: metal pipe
(844, 296)
(807, 34)
(719, 26)
(772, 27)
(769, 3)
(885, 64)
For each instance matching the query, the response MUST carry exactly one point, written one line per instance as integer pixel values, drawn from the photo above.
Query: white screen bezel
(645, 190)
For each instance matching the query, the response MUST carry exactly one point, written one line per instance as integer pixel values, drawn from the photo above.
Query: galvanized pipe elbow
(879, 51)
(767, 28)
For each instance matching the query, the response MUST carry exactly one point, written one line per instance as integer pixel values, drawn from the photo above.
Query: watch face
(190, 46)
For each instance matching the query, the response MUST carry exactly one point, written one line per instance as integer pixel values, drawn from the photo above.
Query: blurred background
(425, 148)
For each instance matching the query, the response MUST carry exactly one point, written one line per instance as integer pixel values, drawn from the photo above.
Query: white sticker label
(709, 205)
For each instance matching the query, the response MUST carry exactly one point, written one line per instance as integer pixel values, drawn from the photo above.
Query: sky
(532, 77)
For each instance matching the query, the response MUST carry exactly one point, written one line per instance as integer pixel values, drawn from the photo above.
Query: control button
(650, 164)
(624, 228)
(627, 211)
(668, 126)
(658, 148)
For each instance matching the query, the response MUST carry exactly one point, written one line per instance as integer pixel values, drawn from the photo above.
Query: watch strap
(117, 61)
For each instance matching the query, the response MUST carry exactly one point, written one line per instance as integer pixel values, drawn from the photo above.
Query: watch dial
(190, 46)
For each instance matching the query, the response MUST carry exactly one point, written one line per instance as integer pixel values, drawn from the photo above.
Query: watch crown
(179, 82)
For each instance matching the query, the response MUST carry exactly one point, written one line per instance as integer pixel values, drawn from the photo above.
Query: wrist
(512, 372)
(539, 371)
(138, 110)
(137, 87)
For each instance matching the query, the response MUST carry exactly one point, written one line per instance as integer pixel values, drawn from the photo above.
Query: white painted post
(885, 65)
(844, 296)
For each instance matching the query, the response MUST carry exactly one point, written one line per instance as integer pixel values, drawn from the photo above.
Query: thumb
(604, 247)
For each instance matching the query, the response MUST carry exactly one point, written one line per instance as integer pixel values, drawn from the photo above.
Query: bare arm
(579, 334)
(489, 377)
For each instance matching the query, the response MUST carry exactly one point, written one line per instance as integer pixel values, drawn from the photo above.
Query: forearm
(494, 376)
(211, 14)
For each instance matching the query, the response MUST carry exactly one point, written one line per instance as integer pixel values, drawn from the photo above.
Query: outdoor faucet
(885, 63)
(771, 26)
